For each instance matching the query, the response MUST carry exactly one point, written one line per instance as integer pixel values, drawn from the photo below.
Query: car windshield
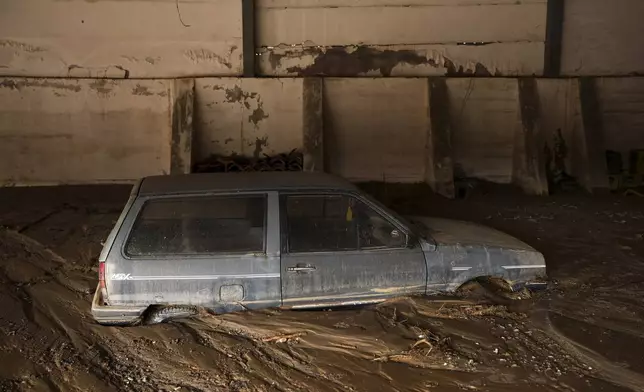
(404, 221)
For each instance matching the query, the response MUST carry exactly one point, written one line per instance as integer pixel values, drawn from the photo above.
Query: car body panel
(440, 255)
(466, 250)
(220, 282)
(314, 279)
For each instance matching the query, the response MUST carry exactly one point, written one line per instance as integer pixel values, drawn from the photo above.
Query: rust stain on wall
(346, 61)
(18, 84)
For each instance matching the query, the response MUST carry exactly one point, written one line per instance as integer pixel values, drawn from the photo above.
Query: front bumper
(115, 315)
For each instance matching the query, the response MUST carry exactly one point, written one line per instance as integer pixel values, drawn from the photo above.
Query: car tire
(156, 314)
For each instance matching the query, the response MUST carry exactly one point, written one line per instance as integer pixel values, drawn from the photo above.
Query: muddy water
(584, 335)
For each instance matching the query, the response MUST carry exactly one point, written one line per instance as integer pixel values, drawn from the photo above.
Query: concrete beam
(182, 126)
(313, 125)
(554, 38)
(594, 158)
(440, 163)
(529, 166)
(248, 37)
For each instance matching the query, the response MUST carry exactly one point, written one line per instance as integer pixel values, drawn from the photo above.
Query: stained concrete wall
(375, 129)
(561, 119)
(622, 106)
(366, 129)
(168, 38)
(485, 116)
(247, 117)
(55, 131)
(603, 37)
(120, 39)
(401, 37)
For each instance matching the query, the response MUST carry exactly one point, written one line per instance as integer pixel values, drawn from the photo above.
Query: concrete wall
(376, 129)
(168, 38)
(401, 37)
(248, 117)
(55, 131)
(120, 39)
(622, 106)
(603, 37)
(371, 129)
(485, 116)
(561, 117)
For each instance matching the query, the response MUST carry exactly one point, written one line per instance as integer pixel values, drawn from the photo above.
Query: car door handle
(301, 268)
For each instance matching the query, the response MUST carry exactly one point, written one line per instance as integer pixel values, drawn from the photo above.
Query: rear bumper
(115, 315)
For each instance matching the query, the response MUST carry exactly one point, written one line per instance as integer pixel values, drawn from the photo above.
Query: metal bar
(248, 34)
(554, 37)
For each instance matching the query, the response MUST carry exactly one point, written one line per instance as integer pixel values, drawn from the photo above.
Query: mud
(585, 334)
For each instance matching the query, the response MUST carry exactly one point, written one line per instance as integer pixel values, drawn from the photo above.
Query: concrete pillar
(439, 172)
(594, 159)
(182, 126)
(529, 166)
(312, 125)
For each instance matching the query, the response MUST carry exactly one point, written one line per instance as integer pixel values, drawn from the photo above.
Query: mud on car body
(236, 241)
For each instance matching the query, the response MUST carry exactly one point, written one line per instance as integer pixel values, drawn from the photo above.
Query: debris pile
(291, 161)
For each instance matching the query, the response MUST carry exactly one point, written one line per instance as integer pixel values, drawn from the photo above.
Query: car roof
(245, 182)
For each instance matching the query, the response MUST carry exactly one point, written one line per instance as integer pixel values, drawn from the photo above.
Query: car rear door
(220, 251)
(339, 249)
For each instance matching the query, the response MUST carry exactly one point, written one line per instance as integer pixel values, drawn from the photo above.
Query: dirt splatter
(479, 70)
(19, 84)
(102, 86)
(141, 90)
(205, 55)
(257, 115)
(345, 61)
(237, 94)
(342, 61)
(259, 144)
(145, 91)
(6, 43)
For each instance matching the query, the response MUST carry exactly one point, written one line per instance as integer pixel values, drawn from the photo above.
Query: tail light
(101, 281)
(101, 275)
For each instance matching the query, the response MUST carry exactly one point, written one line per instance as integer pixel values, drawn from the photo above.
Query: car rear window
(199, 225)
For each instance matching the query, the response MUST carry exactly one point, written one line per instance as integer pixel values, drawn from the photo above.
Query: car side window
(319, 223)
(199, 225)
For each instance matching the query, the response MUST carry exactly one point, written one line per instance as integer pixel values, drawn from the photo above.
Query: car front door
(338, 249)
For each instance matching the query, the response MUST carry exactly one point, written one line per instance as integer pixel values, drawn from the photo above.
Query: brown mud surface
(585, 334)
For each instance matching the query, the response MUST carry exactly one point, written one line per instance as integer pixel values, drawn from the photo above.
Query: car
(297, 240)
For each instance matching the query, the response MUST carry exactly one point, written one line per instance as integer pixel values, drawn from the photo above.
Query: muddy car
(236, 241)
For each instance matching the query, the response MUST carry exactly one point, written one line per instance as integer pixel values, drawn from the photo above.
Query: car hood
(453, 232)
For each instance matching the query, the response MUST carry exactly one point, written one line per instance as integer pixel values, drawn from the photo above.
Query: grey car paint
(440, 255)
(465, 250)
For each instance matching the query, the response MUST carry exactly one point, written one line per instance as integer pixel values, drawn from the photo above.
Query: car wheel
(156, 314)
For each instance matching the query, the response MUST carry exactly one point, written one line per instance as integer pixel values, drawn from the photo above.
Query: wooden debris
(284, 337)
